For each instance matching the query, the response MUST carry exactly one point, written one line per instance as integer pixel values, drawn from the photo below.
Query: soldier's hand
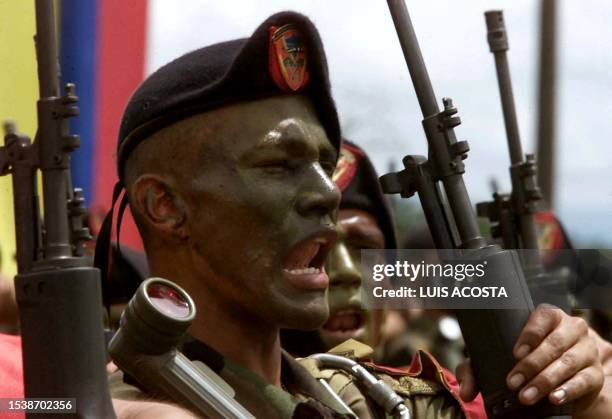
(558, 359)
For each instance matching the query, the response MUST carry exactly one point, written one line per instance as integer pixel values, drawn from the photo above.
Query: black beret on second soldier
(357, 179)
(283, 56)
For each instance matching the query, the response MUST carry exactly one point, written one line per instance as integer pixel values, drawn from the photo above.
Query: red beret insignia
(347, 165)
(288, 58)
(550, 234)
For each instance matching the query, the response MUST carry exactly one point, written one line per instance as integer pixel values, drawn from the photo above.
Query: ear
(159, 205)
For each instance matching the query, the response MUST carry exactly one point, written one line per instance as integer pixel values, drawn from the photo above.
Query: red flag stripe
(121, 64)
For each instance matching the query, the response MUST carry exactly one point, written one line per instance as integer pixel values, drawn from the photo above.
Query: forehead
(354, 217)
(360, 228)
(245, 126)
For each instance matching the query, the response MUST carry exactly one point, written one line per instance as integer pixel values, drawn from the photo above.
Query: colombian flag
(102, 51)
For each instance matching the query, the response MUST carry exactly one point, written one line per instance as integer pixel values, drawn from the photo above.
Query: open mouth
(304, 265)
(345, 324)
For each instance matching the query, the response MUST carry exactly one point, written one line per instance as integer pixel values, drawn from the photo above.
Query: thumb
(468, 389)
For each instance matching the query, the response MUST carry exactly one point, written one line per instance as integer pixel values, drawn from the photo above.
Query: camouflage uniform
(429, 391)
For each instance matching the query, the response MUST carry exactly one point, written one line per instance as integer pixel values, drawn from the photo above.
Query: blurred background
(109, 46)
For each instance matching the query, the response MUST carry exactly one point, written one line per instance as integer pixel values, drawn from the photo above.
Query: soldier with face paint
(226, 155)
(365, 222)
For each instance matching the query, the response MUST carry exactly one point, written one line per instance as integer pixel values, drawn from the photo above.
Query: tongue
(302, 255)
(343, 322)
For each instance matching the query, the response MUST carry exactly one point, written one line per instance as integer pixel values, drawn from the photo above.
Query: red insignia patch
(288, 58)
(550, 235)
(347, 165)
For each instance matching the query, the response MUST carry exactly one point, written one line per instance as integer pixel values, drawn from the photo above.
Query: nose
(341, 268)
(320, 195)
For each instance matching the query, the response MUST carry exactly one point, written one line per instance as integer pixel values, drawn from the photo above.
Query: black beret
(228, 72)
(357, 179)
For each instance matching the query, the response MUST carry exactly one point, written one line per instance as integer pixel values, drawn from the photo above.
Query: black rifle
(512, 215)
(489, 334)
(58, 293)
(517, 230)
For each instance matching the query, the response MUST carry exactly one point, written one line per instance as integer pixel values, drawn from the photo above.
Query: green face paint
(261, 209)
(357, 230)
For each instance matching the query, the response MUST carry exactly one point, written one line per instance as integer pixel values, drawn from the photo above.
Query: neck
(235, 334)
(252, 345)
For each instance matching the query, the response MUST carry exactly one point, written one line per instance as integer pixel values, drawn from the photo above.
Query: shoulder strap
(103, 242)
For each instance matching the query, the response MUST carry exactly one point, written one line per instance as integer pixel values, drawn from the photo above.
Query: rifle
(525, 199)
(512, 215)
(58, 293)
(438, 180)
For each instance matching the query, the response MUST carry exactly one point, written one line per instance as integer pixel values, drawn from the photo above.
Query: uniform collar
(302, 396)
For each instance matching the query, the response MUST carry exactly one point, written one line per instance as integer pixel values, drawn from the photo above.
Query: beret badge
(550, 233)
(288, 58)
(347, 165)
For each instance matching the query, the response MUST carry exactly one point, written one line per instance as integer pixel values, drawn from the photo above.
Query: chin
(344, 324)
(306, 318)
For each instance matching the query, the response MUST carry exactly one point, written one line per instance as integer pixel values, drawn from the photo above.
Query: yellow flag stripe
(18, 95)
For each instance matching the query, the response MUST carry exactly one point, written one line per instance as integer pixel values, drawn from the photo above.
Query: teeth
(320, 240)
(303, 271)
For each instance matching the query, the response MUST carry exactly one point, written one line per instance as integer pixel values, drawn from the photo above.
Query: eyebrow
(286, 141)
(367, 233)
(292, 139)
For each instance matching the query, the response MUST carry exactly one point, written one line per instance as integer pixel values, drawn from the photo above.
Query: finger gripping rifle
(58, 293)
(438, 180)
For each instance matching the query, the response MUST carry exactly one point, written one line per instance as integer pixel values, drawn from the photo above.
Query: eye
(363, 243)
(328, 166)
(276, 166)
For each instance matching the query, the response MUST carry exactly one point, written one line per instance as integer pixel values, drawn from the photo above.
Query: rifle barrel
(454, 187)
(51, 137)
(498, 44)
(46, 49)
(414, 58)
(547, 101)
